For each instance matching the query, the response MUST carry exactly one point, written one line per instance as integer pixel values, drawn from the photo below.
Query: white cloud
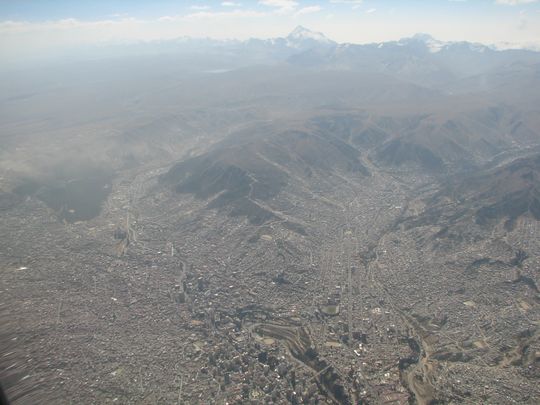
(25, 27)
(354, 3)
(71, 30)
(371, 10)
(515, 2)
(223, 14)
(196, 7)
(308, 10)
(230, 4)
(282, 6)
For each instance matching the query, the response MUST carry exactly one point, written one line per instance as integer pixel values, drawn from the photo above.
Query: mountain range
(290, 220)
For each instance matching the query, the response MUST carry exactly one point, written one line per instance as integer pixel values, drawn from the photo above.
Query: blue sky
(38, 24)
(42, 10)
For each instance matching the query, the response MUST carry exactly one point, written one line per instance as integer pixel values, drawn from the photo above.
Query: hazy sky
(39, 25)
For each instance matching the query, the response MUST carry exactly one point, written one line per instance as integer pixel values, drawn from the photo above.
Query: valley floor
(193, 306)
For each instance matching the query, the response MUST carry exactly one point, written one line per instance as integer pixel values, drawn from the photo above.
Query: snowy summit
(303, 38)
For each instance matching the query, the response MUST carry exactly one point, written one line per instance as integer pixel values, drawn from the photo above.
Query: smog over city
(270, 202)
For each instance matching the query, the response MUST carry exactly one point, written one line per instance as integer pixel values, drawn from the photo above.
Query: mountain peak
(435, 45)
(302, 36)
(432, 44)
(422, 36)
(300, 30)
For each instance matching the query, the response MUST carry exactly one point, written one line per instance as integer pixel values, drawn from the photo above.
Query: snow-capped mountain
(302, 38)
(420, 59)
